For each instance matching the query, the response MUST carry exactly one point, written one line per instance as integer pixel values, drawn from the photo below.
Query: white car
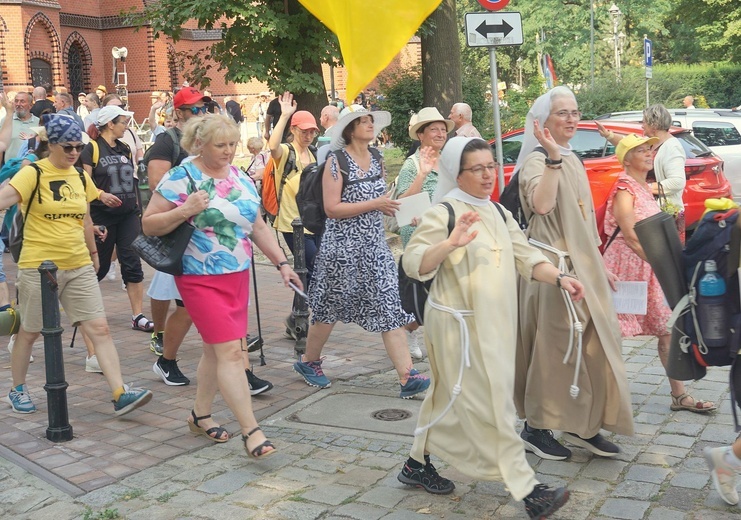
(719, 129)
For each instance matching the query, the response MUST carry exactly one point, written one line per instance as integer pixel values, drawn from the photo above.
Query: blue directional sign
(648, 52)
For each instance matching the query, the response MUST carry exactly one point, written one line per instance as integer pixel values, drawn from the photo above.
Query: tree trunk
(314, 103)
(441, 60)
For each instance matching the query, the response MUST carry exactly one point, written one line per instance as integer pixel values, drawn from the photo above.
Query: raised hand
(427, 161)
(6, 103)
(460, 236)
(604, 132)
(546, 140)
(287, 104)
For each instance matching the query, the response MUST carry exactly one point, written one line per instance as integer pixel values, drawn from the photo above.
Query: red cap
(304, 120)
(189, 96)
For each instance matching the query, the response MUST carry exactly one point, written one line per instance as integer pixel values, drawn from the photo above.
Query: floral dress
(355, 275)
(628, 266)
(221, 241)
(404, 181)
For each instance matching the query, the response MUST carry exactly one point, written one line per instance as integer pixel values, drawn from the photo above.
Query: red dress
(629, 267)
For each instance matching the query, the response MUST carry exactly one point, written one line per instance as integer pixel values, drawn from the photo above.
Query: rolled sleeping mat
(660, 241)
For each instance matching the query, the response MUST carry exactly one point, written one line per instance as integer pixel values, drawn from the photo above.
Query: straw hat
(381, 119)
(425, 116)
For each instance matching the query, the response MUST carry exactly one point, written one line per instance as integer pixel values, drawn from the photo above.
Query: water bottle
(712, 307)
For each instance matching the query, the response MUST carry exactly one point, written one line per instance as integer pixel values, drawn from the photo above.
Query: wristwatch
(550, 161)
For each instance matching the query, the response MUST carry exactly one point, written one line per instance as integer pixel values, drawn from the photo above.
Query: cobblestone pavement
(148, 466)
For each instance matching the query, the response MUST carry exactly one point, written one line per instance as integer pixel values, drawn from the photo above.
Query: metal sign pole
(497, 120)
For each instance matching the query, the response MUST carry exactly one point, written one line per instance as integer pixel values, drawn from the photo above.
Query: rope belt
(576, 328)
(460, 317)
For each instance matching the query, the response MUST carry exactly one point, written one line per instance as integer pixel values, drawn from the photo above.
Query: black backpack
(310, 196)
(413, 293)
(143, 172)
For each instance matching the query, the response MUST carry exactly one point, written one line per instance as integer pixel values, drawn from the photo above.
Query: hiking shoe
(542, 443)
(415, 384)
(168, 370)
(722, 473)
(156, 344)
(131, 399)
(543, 501)
(312, 373)
(112, 271)
(597, 444)
(92, 365)
(426, 478)
(257, 385)
(415, 340)
(253, 343)
(11, 344)
(20, 400)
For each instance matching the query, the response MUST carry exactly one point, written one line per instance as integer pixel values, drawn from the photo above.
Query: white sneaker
(415, 340)
(91, 365)
(722, 473)
(112, 271)
(11, 343)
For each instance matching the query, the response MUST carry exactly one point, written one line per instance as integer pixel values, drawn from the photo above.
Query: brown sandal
(214, 433)
(697, 407)
(259, 451)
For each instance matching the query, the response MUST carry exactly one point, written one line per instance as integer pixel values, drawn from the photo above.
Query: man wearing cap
(101, 91)
(461, 116)
(259, 110)
(63, 103)
(304, 129)
(82, 110)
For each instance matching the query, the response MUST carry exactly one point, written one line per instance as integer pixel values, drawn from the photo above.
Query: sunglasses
(69, 147)
(197, 110)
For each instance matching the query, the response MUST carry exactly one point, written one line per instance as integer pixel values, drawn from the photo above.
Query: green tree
(275, 41)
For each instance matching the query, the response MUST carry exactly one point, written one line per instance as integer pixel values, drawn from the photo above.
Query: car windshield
(716, 133)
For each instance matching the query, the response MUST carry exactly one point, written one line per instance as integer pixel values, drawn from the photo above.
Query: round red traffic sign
(493, 5)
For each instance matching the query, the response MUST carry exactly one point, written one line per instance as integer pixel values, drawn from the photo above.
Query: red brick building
(69, 42)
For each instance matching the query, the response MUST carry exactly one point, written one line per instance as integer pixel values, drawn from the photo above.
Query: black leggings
(120, 236)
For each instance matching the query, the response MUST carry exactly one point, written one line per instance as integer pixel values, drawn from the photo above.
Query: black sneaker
(543, 501)
(253, 343)
(597, 444)
(427, 478)
(542, 443)
(169, 372)
(257, 385)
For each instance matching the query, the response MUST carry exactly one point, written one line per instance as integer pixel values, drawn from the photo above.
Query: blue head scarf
(61, 128)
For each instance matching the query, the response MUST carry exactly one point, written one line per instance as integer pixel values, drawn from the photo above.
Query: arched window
(74, 70)
(40, 72)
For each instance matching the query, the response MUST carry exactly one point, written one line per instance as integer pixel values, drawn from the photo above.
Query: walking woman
(55, 202)
(355, 276)
(570, 374)
(468, 417)
(223, 205)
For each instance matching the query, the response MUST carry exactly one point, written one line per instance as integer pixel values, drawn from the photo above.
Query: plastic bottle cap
(710, 265)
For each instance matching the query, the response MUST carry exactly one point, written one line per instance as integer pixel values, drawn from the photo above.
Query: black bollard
(300, 310)
(59, 429)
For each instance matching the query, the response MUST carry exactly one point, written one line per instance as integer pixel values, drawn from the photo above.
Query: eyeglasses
(478, 170)
(196, 110)
(309, 133)
(69, 147)
(566, 114)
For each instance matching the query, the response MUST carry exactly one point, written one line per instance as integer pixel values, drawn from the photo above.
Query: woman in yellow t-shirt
(55, 200)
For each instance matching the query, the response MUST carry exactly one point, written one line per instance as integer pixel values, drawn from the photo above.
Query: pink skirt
(217, 304)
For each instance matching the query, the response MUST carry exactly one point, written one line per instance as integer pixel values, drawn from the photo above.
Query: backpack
(270, 200)
(413, 293)
(712, 241)
(143, 173)
(15, 234)
(310, 196)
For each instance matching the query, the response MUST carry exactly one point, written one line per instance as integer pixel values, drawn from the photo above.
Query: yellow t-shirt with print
(53, 229)
(288, 208)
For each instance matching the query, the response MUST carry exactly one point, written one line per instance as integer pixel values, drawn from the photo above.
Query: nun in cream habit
(468, 416)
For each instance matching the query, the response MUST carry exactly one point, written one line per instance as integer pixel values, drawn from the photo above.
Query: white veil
(540, 111)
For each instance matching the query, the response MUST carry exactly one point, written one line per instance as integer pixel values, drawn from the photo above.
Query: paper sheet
(631, 298)
(412, 206)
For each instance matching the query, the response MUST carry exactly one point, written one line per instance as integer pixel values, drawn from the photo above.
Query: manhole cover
(391, 414)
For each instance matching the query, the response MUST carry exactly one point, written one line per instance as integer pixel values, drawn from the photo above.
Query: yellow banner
(371, 33)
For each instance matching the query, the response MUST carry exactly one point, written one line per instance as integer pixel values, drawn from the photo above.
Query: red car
(704, 169)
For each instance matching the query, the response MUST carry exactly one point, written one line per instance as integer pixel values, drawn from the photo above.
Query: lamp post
(519, 70)
(616, 15)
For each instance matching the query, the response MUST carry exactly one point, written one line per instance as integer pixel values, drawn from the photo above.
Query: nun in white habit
(468, 417)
